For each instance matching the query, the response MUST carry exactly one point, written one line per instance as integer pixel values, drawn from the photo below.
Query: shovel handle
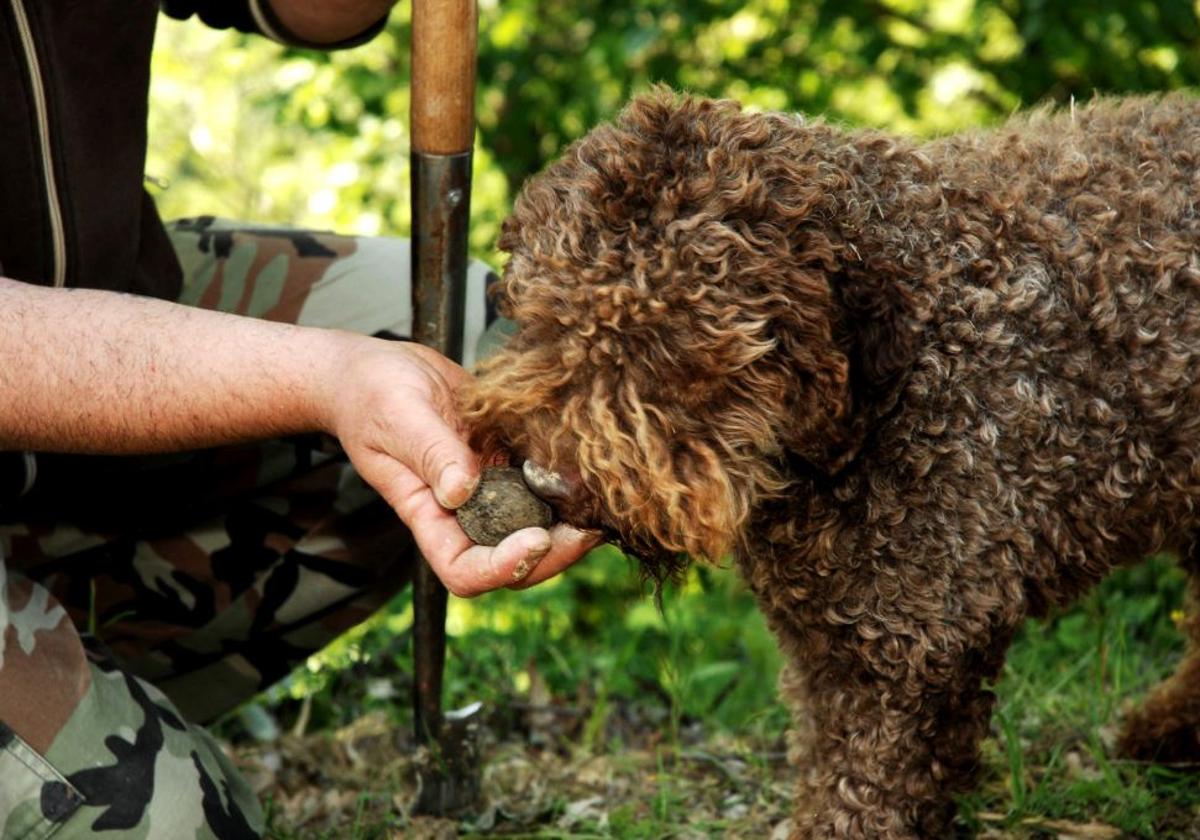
(443, 76)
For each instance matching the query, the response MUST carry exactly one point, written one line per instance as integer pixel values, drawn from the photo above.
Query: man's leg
(214, 609)
(212, 574)
(88, 750)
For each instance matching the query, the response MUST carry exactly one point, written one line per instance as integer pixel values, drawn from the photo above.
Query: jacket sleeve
(256, 16)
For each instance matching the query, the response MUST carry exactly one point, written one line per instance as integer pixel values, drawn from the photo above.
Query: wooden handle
(443, 76)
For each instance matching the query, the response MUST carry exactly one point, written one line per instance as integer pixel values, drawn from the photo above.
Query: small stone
(500, 505)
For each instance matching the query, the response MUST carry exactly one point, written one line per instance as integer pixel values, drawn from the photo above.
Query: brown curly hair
(714, 278)
(920, 391)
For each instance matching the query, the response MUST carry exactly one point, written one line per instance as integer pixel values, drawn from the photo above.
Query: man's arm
(328, 21)
(308, 23)
(90, 371)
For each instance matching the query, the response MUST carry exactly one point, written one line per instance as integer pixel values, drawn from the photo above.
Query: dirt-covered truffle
(500, 505)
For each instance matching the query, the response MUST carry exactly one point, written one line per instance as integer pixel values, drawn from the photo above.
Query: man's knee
(116, 760)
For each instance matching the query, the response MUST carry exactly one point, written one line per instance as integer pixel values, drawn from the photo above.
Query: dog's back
(1067, 346)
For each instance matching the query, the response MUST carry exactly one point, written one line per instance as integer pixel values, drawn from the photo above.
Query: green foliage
(593, 638)
(246, 128)
(706, 655)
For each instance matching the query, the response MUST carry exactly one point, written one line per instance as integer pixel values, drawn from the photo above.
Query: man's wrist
(324, 360)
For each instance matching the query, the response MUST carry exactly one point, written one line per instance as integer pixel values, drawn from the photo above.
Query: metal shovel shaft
(443, 129)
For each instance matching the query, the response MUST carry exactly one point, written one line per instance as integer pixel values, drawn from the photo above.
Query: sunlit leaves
(246, 128)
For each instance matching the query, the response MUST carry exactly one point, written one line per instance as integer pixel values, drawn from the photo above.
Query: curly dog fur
(920, 390)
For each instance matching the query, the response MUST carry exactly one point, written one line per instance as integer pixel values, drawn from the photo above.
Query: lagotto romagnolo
(919, 390)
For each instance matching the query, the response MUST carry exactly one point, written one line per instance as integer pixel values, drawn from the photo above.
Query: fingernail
(530, 562)
(455, 486)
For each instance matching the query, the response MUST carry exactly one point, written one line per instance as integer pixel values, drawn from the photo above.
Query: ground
(603, 716)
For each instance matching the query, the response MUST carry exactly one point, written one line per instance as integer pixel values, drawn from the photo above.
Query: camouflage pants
(140, 597)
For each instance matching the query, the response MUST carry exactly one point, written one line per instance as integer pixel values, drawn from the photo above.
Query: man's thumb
(454, 485)
(440, 458)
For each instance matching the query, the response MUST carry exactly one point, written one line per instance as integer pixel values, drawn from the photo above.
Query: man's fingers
(435, 529)
(482, 568)
(568, 545)
(427, 444)
(524, 558)
(455, 483)
(465, 568)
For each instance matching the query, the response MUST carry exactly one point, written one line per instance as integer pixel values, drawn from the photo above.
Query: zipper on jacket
(57, 234)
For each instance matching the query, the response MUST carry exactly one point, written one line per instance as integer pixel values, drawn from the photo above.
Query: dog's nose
(545, 483)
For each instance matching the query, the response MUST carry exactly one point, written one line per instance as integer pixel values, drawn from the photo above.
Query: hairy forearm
(90, 371)
(329, 21)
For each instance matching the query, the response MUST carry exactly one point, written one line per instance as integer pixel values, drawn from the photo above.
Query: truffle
(500, 505)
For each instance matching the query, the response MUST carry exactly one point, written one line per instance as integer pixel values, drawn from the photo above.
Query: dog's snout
(564, 490)
(549, 485)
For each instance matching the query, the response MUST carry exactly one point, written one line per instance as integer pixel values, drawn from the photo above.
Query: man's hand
(394, 415)
(89, 371)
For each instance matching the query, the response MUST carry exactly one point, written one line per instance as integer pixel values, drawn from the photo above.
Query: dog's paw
(1163, 739)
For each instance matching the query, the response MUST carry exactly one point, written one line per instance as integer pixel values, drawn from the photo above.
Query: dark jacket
(74, 79)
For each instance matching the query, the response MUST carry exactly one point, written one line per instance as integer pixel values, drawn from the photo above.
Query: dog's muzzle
(545, 483)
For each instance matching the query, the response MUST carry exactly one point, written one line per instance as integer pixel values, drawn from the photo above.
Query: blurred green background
(245, 128)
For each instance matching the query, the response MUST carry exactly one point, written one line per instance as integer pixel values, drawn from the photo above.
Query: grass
(609, 718)
(1064, 686)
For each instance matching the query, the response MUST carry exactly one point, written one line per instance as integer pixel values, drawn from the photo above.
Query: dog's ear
(660, 484)
(845, 346)
(874, 346)
(880, 327)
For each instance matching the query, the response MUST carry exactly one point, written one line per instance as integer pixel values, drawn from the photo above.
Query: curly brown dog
(921, 391)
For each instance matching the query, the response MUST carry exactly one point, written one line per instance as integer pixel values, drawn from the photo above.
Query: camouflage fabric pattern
(317, 279)
(142, 596)
(108, 756)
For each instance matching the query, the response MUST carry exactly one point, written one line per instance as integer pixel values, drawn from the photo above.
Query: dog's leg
(1166, 727)
(881, 757)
